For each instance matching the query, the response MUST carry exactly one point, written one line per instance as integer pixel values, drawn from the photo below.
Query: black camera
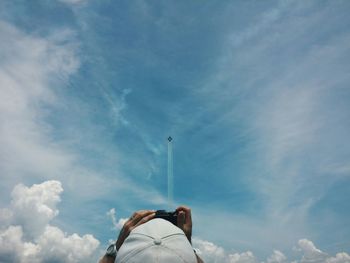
(169, 216)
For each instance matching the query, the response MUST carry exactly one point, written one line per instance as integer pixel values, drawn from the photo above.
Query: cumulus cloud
(212, 253)
(310, 251)
(27, 236)
(35, 206)
(277, 257)
(66, 248)
(245, 257)
(208, 250)
(312, 254)
(339, 258)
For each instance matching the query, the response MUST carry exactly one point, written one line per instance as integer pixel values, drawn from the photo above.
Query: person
(146, 239)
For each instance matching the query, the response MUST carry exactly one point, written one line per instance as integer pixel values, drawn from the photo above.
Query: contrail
(170, 174)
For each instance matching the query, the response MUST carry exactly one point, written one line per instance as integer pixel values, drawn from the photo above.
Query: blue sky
(255, 94)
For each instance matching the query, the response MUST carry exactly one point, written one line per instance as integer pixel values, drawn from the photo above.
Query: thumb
(181, 219)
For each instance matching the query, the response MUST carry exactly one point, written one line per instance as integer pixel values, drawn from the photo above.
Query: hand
(138, 218)
(184, 221)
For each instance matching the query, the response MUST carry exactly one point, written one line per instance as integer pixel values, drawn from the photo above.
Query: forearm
(199, 260)
(107, 259)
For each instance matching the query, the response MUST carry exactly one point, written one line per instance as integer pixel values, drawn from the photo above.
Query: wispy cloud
(26, 67)
(277, 91)
(32, 68)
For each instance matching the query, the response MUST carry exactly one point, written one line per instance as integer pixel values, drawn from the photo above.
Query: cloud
(33, 70)
(35, 206)
(311, 253)
(28, 236)
(339, 258)
(315, 255)
(66, 248)
(14, 249)
(208, 250)
(246, 257)
(52, 246)
(212, 253)
(277, 257)
(290, 112)
(117, 225)
(29, 69)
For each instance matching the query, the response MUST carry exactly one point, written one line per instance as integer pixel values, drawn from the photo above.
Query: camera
(169, 216)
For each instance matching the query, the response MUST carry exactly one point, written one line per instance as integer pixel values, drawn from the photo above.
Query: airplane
(170, 139)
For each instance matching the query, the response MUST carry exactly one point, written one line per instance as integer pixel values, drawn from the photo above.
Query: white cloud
(310, 251)
(14, 249)
(35, 206)
(212, 253)
(56, 245)
(28, 236)
(339, 258)
(277, 257)
(29, 66)
(315, 255)
(121, 222)
(117, 225)
(246, 257)
(111, 214)
(208, 250)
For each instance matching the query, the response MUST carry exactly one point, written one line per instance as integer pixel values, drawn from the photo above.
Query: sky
(255, 95)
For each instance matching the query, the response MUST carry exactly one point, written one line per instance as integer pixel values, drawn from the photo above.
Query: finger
(130, 225)
(140, 215)
(146, 219)
(183, 208)
(136, 214)
(188, 216)
(181, 219)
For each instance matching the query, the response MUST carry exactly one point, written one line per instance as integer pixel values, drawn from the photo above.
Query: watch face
(111, 250)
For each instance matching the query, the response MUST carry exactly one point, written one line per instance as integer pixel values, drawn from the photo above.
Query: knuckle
(138, 217)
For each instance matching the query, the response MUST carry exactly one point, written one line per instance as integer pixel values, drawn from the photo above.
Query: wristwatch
(111, 251)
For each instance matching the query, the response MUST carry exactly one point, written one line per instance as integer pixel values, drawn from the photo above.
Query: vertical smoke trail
(170, 174)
